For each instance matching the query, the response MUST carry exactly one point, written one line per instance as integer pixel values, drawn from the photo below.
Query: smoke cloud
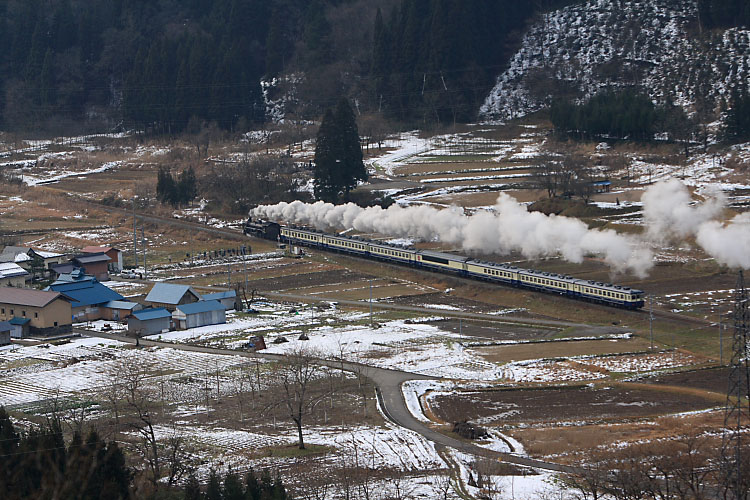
(508, 227)
(669, 211)
(728, 243)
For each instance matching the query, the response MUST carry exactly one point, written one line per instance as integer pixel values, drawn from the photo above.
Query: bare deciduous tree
(297, 376)
(141, 408)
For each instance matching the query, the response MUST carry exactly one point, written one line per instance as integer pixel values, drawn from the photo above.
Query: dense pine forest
(724, 13)
(157, 65)
(40, 464)
(166, 66)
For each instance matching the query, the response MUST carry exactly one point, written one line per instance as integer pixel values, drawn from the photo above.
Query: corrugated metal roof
(86, 293)
(27, 297)
(93, 249)
(19, 321)
(5, 326)
(169, 293)
(229, 294)
(147, 314)
(47, 255)
(201, 307)
(16, 250)
(93, 257)
(9, 270)
(121, 304)
(75, 276)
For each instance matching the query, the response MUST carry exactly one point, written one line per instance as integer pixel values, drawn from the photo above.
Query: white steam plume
(669, 213)
(728, 243)
(511, 227)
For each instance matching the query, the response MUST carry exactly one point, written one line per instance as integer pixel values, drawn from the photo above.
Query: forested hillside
(724, 13)
(676, 52)
(155, 65)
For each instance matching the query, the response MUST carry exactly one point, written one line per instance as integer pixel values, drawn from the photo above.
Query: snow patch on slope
(613, 43)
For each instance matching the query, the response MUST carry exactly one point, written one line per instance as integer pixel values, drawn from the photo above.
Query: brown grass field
(519, 352)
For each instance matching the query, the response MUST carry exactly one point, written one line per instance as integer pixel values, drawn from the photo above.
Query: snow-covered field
(409, 345)
(35, 374)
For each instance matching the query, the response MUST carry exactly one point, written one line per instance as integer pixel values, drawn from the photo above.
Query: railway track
(237, 235)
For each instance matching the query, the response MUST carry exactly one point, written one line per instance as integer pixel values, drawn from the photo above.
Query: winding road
(388, 387)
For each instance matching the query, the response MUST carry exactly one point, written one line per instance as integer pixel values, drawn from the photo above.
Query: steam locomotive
(467, 267)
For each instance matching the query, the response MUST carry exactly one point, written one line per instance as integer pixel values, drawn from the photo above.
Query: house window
(55, 323)
(23, 313)
(2, 310)
(36, 315)
(11, 311)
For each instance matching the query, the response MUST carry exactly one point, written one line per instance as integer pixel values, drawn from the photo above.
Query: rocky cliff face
(657, 45)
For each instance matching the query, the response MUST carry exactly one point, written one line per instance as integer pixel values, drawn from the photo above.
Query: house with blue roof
(227, 299)
(20, 327)
(89, 297)
(169, 296)
(150, 321)
(203, 313)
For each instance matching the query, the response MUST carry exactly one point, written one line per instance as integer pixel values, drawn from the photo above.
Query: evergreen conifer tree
(192, 489)
(252, 486)
(233, 487)
(213, 491)
(47, 86)
(338, 154)
(187, 188)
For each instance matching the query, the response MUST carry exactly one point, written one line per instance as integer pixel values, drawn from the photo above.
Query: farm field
(539, 389)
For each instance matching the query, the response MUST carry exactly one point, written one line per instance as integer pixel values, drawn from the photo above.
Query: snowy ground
(408, 345)
(34, 374)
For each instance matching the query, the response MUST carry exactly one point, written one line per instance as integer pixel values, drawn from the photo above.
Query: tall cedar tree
(338, 154)
(724, 13)
(39, 465)
(737, 126)
(626, 114)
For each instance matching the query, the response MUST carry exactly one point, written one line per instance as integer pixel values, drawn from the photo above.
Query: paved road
(388, 386)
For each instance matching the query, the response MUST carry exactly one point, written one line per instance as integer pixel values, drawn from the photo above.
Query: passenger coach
(592, 291)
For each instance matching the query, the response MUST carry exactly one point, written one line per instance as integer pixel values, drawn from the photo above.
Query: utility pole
(143, 244)
(244, 264)
(135, 235)
(229, 275)
(371, 323)
(651, 319)
(721, 342)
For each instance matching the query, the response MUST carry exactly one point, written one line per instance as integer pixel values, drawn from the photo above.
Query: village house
(5, 329)
(89, 297)
(115, 256)
(203, 313)
(49, 312)
(119, 310)
(20, 328)
(49, 258)
(95, 264)
(11, 274)
(169, 296)
(228, 299)
(24, 257)
(150, 321)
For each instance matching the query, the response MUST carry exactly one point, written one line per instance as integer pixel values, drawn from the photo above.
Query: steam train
(467, 267)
